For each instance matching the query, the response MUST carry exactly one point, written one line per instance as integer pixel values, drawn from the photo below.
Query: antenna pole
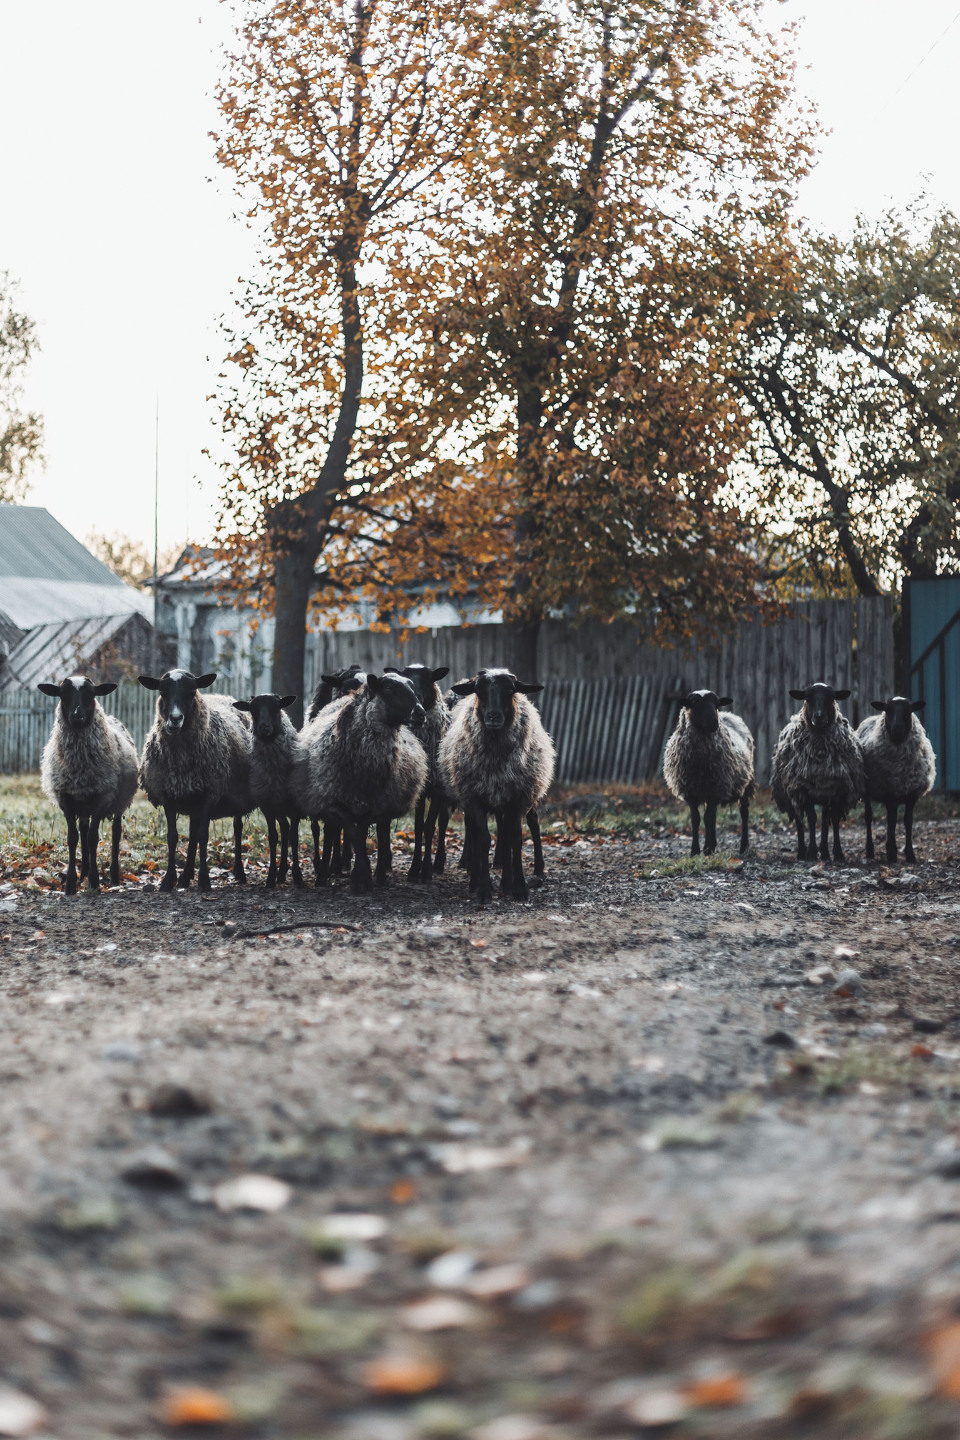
(156, 519)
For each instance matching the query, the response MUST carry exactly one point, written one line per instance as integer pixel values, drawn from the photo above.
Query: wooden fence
(607, 700)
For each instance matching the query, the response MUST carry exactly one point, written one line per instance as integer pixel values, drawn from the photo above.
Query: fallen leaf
(192, 1405)
(717, 1392)
(465, 1159)
(943, 1346)
(402, 1192)
(352, 1227)
(403, 1375)
(657, 1408)
(922, 1052)
(496, 1281)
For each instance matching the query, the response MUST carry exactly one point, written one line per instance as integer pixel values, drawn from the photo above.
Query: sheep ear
(243, 705)
(104, 689)
(202, 681)
(148, 682)
(439, 673)
(878, 705)
(287, 700)
(798, 694)
(464, 687)
(391, 670)
(373, 684)
(522, 689)
(333, 680)
(49, 689)
(841, 694)
(918, 705)
(724, 699)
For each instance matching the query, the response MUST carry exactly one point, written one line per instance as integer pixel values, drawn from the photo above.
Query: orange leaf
(192, 1405)
(721, 1390)
(922, 1052)
(402, 1192)
(403, 1375)
(943, 1346)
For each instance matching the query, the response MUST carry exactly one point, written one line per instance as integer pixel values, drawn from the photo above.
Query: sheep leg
(346, 853)
(825, 832)
(115, 850)
(83, 824)
(361, 879)
(513, 836)
(170, 879)
(70, 882)
(710, 828)
(533, 820)
(284, 849)
(868, 821)
(838, 855)
(190, 868)
(478, 836)
(695, 827)
(497, 863)
(320, 867)
(801, 834)
(908, 805)
(93, 841)
(465, 862)
(744, 824)
(891, 830)
(429, 826)
(295, 852)
(812, 851)
(504, 849)
(440, 861)
(416, 864)
(384, 853)
(272, 841)
(203, 840)
(239, 874)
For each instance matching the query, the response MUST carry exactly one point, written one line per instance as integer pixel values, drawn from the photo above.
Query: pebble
(848, 983)
(176, 1102)
(122, 1050)
(926, 1025)
(820, 975)
(782, 1039)
(20, 1414)
(230, 927)
(439, 1312)
(875, 1030)
(252, 1192)
(449, 1270)
(153, 1169)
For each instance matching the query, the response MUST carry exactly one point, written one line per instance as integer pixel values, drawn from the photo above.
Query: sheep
(496, 758)
(196, 762)
(817, 761)
(278, 752)
(900, 766)
(363, 765)
(709, 761)
(89, 769)
(337, 855)
(424, 680)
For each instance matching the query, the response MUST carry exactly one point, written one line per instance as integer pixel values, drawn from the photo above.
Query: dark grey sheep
(89, 769)
(496, 759)
(709, 761)
(364, 766)
(899, 765)
(278, 753)
(433, 807)
(817, 761)
(337, 852)
(196, 762)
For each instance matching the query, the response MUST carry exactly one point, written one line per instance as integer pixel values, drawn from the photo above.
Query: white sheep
(89, 769)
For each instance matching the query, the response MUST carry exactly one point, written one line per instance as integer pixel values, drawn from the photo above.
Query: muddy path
(624, 1162)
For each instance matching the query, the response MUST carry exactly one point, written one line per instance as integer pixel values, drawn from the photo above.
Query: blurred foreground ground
(622, 1163)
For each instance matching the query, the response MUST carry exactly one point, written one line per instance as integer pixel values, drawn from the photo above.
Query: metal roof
(50, 652)
(34, 546)
(30, 602)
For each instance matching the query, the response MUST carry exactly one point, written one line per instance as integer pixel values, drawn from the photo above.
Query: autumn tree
(852, 374)
(631, 181)
(21, 431)
(128, 558)
(339, 120)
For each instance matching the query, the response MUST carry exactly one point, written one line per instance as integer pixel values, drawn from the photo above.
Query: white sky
(126, 246)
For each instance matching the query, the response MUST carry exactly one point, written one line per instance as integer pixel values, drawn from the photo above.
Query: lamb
(437, 723)
(900, 766)
(278, 752)
(363, 765)
(817, 761)
(709, 761)
(196, 762)
(496, 758)
(337, 855)
(89, 769)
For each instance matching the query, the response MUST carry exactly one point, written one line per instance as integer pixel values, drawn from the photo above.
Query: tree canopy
(21, 431)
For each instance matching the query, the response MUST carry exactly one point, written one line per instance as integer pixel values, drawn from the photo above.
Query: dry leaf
(403, 1375)
(402, 1192)
(718, 1391)
(465, 1159)
(192, 1405)
(943, 1346)
(922, 1052)
(497, 1280)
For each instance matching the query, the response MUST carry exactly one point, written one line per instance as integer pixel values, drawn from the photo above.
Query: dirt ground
(620, 1160)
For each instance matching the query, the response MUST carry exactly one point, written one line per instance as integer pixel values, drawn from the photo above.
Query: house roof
(48, 652)
(47, 576)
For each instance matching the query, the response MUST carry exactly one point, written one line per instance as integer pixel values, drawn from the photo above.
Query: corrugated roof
(30, 602)
(50, 652)
(34, 546)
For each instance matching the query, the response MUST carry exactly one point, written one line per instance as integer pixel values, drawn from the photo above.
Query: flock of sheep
(373, 748)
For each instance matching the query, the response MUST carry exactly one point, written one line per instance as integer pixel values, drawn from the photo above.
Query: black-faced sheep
(196, 762)
(433, 807)
(278, 752)
(899, 765)
(364, 766)
(89, 769)
(337, 854)
(496, 759)
(709, 761)
(817, 761)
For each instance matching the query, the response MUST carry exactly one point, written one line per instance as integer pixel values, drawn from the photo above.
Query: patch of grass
(693, 865)
(874, 1065)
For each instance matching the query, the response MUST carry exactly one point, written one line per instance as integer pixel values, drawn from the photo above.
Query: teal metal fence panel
(934, 628)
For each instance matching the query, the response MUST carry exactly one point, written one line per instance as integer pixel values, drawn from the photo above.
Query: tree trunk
(294, 577)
